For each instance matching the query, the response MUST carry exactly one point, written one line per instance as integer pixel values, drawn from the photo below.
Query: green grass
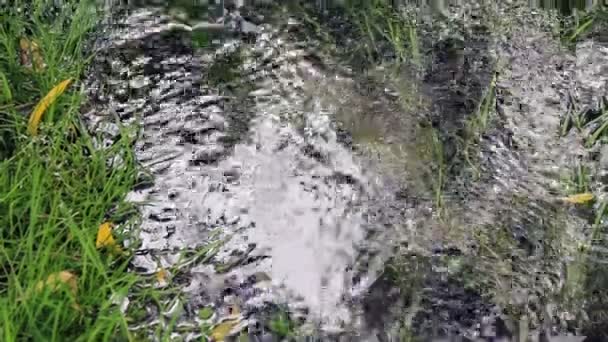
(56, 189)
(381, 24)
(475, 126)
(601, 131)
(577, 181)
(584, 288)
(586, 277)
(281, 325)
(576, 27)
(593, 122)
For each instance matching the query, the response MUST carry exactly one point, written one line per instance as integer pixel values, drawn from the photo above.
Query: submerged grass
(386, 29)
(477, 125)
(501, 264)
(578, 26)
(584, 291)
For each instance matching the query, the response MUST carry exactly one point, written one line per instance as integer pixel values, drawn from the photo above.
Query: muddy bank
(359, 202)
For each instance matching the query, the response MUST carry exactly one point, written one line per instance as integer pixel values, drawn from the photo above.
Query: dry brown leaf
(161, 276)
(30, 54)
(37, 56)
(579, 198)
(25, 55)
(57, 279)
(45, 103)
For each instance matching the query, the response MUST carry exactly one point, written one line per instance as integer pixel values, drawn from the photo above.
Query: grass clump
(578, 26)
(584, 291)
(477, 125)
(55, 187)
(386, 29)
(430, 149)
(281, 325)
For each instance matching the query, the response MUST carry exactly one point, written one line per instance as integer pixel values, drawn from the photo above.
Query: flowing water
(303, 179)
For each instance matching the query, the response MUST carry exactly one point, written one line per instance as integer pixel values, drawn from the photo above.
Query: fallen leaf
(30, 54)
(38, 61)
(25, 55)
(221, 330)
(42, 106)
(579, 198)
(105, 239)
(37, 56)
(227, 324)
(161, 276)
(57, 279)
(104, 236)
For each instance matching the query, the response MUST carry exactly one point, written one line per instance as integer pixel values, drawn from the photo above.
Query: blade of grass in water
(581, 29)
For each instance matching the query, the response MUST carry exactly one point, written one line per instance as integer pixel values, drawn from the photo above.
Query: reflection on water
(565, 6)
(263, 164)
(215, 7)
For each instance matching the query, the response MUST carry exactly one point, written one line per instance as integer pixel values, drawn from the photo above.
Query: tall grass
(55, 187)
(386, 29)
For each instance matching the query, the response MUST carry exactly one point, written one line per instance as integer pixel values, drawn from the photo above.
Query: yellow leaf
(579, 198)
(220, 331)
(161, 276)
(227, 324)
(105, 239)
(57, 279)
(42, 106)
(104, 236)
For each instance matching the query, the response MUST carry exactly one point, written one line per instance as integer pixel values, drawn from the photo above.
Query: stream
(300, 179)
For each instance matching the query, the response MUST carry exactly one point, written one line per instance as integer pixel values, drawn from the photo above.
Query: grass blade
(581, 29)
(7, 94)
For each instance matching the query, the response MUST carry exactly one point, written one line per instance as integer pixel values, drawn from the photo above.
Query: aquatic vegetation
(383, 23)
(225, 70)
(579, 25)
(431, 149)
(599, 124)
(476, 125)
(282, 325)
